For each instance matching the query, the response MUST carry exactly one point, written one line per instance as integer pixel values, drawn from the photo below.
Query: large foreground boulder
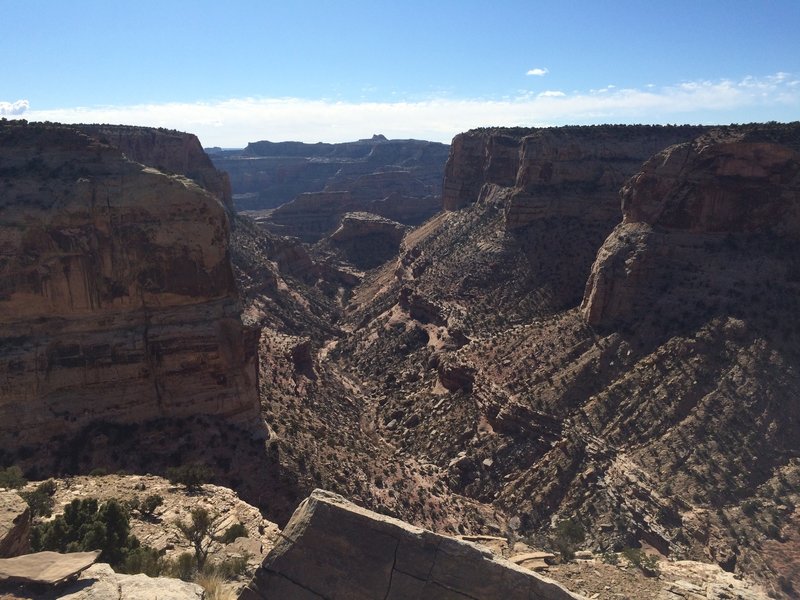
(334, 550)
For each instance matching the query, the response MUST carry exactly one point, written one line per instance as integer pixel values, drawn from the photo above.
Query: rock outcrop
(15, 524)
(366, 240)
(335, 550)
(117, 299)
(703, 222)
(73, 576)
(169, 151)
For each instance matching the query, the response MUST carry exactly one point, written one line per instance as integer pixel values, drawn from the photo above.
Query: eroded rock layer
(117, 299)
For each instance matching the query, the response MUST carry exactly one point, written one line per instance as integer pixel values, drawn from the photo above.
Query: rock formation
(703, 222)
(333, 549)
(366, 240)
(15, 524)
(117, 300)
(169, 151)
(268, 174)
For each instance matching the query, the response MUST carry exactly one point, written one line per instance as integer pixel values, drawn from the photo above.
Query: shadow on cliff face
(234, 458)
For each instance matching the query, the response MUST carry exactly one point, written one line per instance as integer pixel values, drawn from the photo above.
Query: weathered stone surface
(15, 524)
(335, 550)
(100, 582)
(117, 299)
(692, 209)
(366, 240)
(45, 567)
(173, 152)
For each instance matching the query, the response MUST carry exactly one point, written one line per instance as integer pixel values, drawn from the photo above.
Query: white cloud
(539, 72)
(14, 108)
(234, 122)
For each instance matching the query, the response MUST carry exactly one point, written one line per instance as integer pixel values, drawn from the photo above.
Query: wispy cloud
(234, 122)
(539, 72)
(14, 108)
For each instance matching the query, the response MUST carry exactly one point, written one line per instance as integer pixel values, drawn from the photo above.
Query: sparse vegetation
(40, 499)
(11, 477)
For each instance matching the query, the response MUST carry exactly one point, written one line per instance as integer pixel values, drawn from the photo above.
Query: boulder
(15, 524)
(335, 550)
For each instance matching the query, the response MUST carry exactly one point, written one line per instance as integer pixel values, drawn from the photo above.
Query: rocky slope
(661, 412)
(117, 299)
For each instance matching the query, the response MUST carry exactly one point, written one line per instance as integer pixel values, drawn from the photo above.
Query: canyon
(596, 329)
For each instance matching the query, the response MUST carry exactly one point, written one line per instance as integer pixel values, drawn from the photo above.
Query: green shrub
(183, 567)
(192, 475)
(644, 562)
(233, 532)
(11, 478)
(149, 505)
(87, 525)
(40, 499)
(568, 535)
(143, 560)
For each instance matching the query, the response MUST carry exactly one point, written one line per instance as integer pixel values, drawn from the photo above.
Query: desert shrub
(40, 499)
(233, 532)
(644, 562)
(143, 560)
(568, 535)
(192, 476)
(87, 525)
(231, 567)
(184, 566)
(148, 506)
(214, 587)
(610, 558)
(200, 531)
(11, 478)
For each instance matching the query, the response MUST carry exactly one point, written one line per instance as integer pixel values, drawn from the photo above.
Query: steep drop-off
(117, 299)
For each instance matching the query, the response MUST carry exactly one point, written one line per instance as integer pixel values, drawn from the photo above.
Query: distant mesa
(318, 183)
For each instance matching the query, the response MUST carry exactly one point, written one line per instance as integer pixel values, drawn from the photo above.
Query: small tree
(11, 477)
(201, 532)
(40, 499)
(192, 475)
(568, 535)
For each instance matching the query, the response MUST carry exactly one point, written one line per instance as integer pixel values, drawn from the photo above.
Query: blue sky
(238, 71)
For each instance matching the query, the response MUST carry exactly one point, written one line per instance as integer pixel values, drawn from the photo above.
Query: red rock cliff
(117, 300)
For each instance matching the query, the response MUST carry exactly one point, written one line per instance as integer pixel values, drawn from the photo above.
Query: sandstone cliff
(117, 300)
(169, 151)
(704, 222)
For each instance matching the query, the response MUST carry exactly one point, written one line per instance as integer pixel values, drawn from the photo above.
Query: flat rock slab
(46, 568)
(332, 549)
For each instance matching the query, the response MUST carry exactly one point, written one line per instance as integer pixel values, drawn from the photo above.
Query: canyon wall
(117, 299)
(705, 223)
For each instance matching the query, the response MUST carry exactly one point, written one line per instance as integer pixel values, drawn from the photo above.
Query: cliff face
(703, 223)
(268, 174)
(117, 300)
(173, 152)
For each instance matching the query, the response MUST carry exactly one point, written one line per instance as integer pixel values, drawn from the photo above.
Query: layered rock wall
(117, 300)
(704, 222)
(169, 151)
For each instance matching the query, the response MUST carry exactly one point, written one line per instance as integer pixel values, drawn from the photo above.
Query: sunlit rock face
(117, 300)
